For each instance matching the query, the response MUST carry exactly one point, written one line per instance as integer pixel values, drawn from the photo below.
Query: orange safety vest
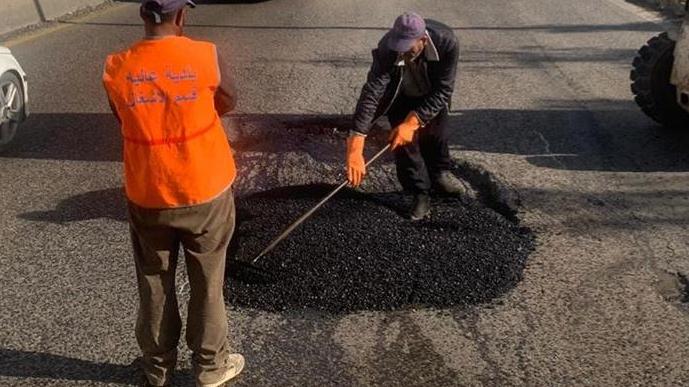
(176, 152)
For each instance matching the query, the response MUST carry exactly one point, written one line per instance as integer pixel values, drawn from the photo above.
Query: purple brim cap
(408, 28)
(168, 6)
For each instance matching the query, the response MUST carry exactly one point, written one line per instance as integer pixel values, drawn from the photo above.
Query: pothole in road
(358, 253)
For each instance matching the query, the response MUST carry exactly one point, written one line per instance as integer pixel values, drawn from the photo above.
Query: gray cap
(166, 6)
(408, 28)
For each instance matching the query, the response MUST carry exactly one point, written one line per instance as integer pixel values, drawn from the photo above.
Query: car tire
(651, 85)
(10, 116)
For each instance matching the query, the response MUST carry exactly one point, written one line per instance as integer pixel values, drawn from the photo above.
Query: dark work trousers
(420, 163)
(204, 232)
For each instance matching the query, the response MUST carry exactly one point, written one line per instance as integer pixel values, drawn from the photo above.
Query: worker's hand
(403, 133)
(356, 166)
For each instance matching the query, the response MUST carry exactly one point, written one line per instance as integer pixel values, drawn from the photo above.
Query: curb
(26, 16)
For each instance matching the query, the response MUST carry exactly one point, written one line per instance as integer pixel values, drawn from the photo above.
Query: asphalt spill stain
(359, 253)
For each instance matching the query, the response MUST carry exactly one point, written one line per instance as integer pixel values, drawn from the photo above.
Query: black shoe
(421, 208)
(447, 183)
(143, 382)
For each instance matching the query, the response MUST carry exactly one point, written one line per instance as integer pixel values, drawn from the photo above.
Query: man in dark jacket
(411, 82)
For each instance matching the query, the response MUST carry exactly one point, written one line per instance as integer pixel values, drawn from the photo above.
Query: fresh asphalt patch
(359, 252)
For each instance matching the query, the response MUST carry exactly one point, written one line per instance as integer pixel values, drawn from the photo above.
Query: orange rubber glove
(403, 134)
(356, 166)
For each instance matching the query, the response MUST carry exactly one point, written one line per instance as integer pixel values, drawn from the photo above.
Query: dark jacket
(385, 79)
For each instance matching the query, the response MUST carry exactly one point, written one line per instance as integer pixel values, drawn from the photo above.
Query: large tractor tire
(651, 85)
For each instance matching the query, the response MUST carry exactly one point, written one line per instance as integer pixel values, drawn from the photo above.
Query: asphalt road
(542, 103)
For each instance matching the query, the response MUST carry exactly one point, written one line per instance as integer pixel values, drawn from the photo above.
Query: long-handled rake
(249, 272)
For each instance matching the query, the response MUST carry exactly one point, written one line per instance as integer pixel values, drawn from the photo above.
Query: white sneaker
(235, 365)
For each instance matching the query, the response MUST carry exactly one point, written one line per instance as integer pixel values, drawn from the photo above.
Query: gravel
(359, 253)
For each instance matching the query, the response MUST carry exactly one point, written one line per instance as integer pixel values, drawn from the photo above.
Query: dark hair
(152, 12)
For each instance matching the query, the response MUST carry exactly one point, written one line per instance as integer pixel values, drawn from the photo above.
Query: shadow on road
(37, 365)
(601, 136)
(26, 364)
(107, 203)
(67, 136)
(607, 136)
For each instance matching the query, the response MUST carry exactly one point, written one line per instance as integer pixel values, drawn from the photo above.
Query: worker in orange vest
(168, 92)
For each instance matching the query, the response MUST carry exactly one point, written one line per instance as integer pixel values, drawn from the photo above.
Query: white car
(14, 96)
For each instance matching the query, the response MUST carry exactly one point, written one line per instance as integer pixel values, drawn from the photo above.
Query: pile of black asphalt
(359, 252)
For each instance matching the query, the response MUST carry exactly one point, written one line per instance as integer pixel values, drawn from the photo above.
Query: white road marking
(547, 151)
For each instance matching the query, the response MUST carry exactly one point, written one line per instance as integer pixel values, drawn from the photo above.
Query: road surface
(542, 104)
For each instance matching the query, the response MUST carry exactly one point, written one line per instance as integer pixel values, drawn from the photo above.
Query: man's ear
(180, 18)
